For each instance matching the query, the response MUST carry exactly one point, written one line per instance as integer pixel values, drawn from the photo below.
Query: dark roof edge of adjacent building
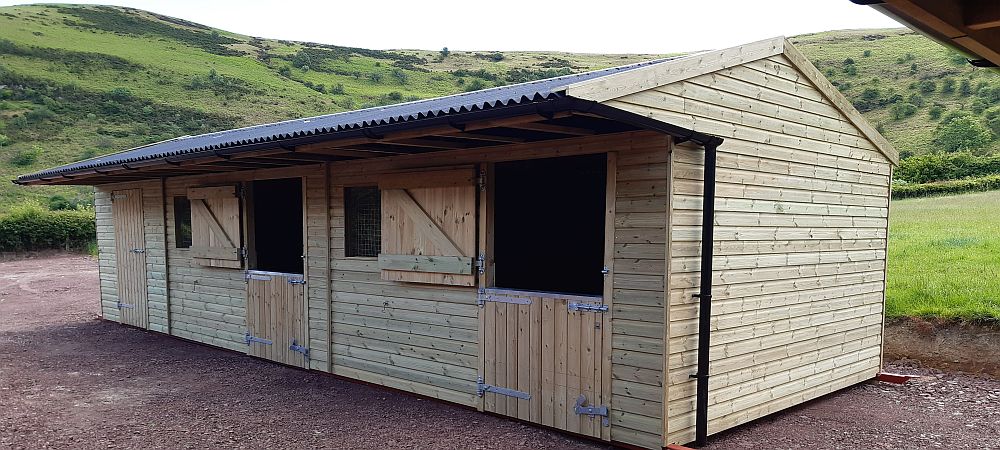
(332, 126)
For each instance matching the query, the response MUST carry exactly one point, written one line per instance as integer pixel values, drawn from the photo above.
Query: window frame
(179, 221)
(347, 220)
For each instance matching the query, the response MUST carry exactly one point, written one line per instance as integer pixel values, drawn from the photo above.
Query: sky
(622, 26)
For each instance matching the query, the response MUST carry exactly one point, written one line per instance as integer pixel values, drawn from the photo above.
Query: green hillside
(78, 81)
(906, 85)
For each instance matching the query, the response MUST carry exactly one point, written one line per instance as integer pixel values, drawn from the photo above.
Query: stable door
(130, 256)
(277, 321)
(546, 277)
(276, 324)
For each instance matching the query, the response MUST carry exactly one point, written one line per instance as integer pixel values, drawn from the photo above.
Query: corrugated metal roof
(511, 95)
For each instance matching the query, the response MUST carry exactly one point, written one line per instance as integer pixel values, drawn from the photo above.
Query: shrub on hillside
(39, 114)
(25, 157)
(991, 116)
(935, 112)
(400, 76)
(901, 111)
(32, 227)
(948, 86)
(962, 134)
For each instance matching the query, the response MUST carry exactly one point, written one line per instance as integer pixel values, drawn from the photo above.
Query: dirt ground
(68, 380)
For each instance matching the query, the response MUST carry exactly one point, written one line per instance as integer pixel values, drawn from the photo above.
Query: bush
(934, 167)
(935, 112)
(87, 154)
(25, 157)
(867, 53)
(337, 89)
(39, 114)
(965, 87)
(400, 76)
(444, 52)
(991, 116)
(927, 86)
(962, 134)
(901, 111)
(916, 100)
(4, 140)
(904, 190)
(32, 227)
(475, 85)
(948, 86)
(120, 93)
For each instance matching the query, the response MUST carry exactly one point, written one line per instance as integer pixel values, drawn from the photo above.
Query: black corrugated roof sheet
(515, 94)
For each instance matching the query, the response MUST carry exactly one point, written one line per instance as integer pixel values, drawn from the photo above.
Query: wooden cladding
(429, 226)
(216, 230)
(130, 256)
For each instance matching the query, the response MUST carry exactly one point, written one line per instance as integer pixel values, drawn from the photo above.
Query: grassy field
(944, 257)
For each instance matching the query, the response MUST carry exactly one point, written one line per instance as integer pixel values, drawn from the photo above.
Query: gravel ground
(68, 380)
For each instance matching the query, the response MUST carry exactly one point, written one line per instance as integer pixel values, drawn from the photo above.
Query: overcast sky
(617, 26)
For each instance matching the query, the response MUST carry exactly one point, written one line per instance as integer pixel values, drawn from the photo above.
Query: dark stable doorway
(548, 225)
(277, 225)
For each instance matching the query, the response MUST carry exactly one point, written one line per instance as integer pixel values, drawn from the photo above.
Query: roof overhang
(970, 26)
(559, 118)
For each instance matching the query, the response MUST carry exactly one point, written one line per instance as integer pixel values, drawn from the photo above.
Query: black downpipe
(705, 292)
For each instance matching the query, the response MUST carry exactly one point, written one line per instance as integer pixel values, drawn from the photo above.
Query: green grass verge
(944, 257)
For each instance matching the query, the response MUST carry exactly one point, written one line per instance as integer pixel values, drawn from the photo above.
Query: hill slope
(78, 81)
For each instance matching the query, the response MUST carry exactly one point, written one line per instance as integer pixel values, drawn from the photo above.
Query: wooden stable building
(535, 250)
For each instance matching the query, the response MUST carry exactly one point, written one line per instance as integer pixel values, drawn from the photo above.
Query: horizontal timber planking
(637, 316)
(418, 337)
(207, 304)
(800, 239)
(317, 265)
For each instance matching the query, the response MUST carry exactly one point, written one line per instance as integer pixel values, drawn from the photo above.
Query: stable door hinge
(481, 180)
(480, 263)
(592, 411)
(594, 307)
(485, 296)
(295, 347)
(250, 339)
(482, 388)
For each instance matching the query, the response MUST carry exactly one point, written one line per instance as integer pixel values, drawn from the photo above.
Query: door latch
(592, 411)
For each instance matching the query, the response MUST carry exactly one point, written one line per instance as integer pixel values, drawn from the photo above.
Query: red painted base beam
(894, 377)
(677, 447)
